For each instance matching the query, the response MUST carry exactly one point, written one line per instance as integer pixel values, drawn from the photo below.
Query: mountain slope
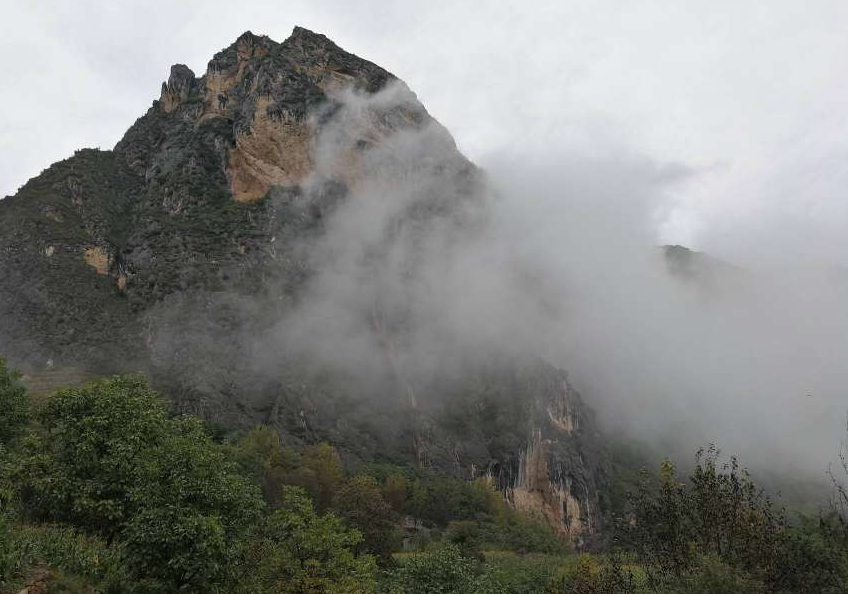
(256, 243)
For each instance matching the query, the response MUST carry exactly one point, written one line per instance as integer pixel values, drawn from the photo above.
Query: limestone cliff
(543, 450)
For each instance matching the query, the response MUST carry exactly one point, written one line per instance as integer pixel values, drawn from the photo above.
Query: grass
(24, 547)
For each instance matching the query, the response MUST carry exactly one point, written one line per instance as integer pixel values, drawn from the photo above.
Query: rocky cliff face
(542, 448)
(177, 253)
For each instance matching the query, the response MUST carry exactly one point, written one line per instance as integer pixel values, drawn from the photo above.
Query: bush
(114, 465)
(62, 548)
(521, 532)
(721, 530)
(304, 552)
(466, 536)
(14, 405)
(590, 575)
(521, 574)
(261, 456)
(712, 576)
(360, 503)
(320, 473)
(443, 570)
(83, 470)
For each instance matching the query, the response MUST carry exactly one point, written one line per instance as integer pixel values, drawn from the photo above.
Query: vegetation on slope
(102, 490)
(102, 486)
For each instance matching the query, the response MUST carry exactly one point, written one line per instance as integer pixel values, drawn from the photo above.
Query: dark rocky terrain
(176, 253)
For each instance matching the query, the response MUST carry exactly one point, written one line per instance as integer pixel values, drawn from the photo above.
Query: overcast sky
(749, 97)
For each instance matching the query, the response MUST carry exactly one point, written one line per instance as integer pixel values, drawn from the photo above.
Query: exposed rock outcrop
(270, 93)
(181, 86)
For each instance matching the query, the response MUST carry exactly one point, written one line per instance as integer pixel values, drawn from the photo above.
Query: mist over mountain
(672, 346)
(291, 239)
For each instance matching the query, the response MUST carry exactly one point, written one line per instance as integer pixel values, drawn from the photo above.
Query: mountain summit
(269, 94)
(264, 243)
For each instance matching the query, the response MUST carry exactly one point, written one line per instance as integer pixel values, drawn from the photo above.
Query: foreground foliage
(14, 408)
(110, 493)
(105, 488)
(106, 474)
(718, 532)
(110, 462)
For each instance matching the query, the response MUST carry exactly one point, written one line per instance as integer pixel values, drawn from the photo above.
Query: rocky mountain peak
(265, 97)
(179, 87)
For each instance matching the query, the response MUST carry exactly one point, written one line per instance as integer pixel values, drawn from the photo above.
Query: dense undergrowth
(105, 491)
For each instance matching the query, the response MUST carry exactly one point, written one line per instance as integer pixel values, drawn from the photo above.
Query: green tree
(443, 499)
(441, 571)
(110, 461)
(521, 574)
(258, 452)
(396, 491)
(713, 576)
(193, 510)
(261, 456)
(360, 503)
(720, 525)
(586, 575)
(465, 535)
(14, 405)
(320, 473)
(307, 553)
(7, 489)
(84, 465)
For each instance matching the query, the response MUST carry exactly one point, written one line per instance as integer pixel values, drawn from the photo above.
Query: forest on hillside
(102, 489)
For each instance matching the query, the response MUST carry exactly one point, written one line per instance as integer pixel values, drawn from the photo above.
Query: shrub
(114, 465)
(443, 570)
(14, 405)
(62, 548)
(360, 503)
(261, 456)
(466, 536)
(521, 574)
(587, 575)
(82, 471)
(305, 552)
(712, 576)
(320, 473)
(719, 528)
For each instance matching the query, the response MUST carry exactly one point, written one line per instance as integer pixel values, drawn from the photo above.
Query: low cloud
(552, 250)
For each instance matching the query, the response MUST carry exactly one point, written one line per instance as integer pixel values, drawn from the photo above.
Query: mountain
(256, 244)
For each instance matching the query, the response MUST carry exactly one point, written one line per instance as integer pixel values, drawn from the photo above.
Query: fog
(551, 250)
(749, 358)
